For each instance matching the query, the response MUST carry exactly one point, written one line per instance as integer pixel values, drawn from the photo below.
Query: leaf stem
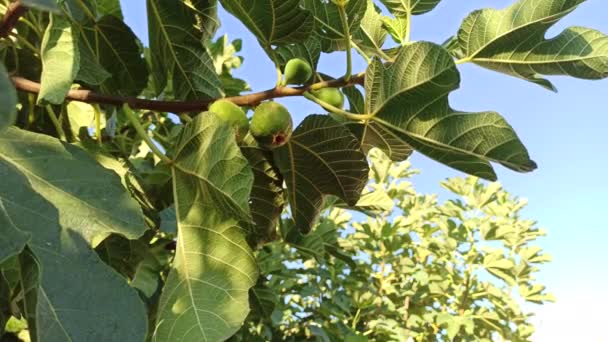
(56, 123)
(347, 40)
(144, 134)
(336, 110)
(462, 60)
(408, 27)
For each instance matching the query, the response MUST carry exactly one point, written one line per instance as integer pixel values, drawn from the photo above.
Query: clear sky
(566, 134)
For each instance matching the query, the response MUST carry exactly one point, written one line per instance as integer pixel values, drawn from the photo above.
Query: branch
(253, 99)
(14, 11)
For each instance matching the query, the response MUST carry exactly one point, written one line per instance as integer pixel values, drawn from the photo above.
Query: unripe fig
(271, 125)
(233, 115)
(331, 96)
(297, 71)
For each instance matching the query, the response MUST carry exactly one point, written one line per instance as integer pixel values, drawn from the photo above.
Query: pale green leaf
(401, 8)
(321, 158)
(371, 36)
(371, 203)
(206, 295)
(486, 38)
(8, 100)
(90, 199)
(396, 27)
(65, 202)
(328, 26)
(177, 50)
(409, 98)
(273, 22)
(60, 60)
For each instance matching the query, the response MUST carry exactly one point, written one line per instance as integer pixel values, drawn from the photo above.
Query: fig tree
(271, 125)
(330, 96)
(297, 71)
(233, 115)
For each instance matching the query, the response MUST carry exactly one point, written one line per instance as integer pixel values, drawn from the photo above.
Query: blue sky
(566, 134)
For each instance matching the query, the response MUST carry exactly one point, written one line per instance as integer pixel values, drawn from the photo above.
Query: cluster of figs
(271, 124)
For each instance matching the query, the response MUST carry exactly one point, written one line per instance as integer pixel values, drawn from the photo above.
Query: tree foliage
(129, 212)
(458, 270)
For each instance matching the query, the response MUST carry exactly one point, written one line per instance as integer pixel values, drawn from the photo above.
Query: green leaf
(177, 50)
(8, 100)
(371, 203)
(321, 158)
(401, 8)
(116, 50)
(267, 197)
(168, 221)
(63, 206)
(90, 199)
(45, 5)
(396, 27)
(91, 72)
(328, 26)
(60, 60)
(206, 295)
(122, 254)
(409, 98)
(110, 7)
(273, 22)
(371, 36)
(486, 38)
(355, 100)
(206, 16)
(263, 300)
(372, 134)
(5, 297)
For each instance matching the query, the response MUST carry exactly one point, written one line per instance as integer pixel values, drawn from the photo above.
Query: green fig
(330, 96)
(233, 115)
(271, 125)
(297, 71)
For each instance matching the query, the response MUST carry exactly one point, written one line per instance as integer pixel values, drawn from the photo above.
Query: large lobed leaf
(328, 26)
(109, 47)
(64, 203)
(409, 98)
(371, 36)
(206, 295)
(321, 158)
(401, 8)
(512, 41)
(273, 22)
(178, 51)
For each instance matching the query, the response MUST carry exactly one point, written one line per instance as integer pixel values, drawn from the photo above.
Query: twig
(253, 99)
(14, 11)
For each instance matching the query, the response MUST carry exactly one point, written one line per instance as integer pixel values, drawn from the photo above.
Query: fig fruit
(330, 96)
(233, 115)
(297, 71)
(271, 125)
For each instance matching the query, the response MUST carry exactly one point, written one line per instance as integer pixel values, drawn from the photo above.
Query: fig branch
(253, 99)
